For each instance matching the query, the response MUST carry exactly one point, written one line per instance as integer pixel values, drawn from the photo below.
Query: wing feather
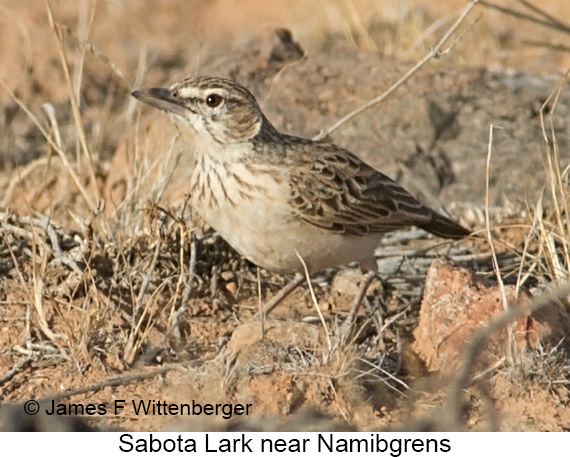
(339, 192)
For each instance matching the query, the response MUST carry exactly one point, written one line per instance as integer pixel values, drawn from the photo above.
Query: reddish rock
(456, 304)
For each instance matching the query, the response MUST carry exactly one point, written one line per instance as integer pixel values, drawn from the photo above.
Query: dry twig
(435, 53)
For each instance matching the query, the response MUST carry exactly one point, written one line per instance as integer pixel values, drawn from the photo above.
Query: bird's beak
(160, 98)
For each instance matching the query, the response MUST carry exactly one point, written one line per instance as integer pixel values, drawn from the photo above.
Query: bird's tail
(444, 227)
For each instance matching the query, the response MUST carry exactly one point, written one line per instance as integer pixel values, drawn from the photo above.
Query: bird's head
(220, 109)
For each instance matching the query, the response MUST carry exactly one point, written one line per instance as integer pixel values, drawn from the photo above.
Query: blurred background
(185, 31)
(71, 136)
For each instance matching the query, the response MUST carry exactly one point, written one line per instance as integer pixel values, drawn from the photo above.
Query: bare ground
(138, 286)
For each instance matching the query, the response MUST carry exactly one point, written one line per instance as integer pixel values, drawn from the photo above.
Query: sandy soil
(138, 286)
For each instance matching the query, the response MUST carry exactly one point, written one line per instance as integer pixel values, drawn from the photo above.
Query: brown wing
(337, 191)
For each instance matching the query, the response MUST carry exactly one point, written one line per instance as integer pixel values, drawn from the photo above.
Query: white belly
(257, 221)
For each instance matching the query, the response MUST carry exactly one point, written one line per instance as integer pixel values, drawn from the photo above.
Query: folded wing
(337, 191)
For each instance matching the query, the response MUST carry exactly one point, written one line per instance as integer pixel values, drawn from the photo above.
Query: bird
(289, 204)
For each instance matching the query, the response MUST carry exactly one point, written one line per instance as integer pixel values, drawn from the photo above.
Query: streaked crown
(221, 108)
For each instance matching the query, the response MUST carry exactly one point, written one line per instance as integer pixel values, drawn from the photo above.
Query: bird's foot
(280, 296)
(346, 327)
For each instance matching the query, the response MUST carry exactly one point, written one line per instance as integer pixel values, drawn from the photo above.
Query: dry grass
(121, 288)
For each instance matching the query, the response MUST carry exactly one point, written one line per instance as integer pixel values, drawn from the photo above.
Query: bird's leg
(366, 281)
(282, 294)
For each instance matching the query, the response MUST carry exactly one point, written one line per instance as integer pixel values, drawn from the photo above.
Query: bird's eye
(175, 94)
(214, 100)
